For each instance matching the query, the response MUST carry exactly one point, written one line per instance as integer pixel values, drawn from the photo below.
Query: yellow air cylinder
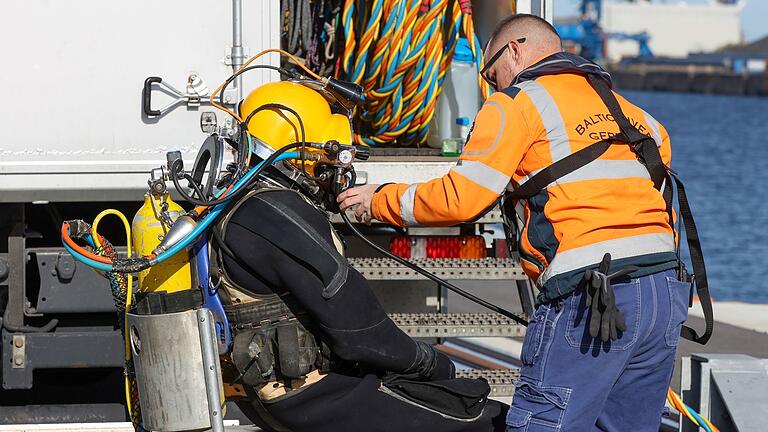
(148, 231)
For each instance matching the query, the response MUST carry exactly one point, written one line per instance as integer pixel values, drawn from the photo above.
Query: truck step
(500, 380)
(457, 325)
(446, 268)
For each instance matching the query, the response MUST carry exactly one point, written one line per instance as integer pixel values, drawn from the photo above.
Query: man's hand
(361, 198)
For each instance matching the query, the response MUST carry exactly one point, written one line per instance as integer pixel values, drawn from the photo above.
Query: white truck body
(73, 73)
(72, 76)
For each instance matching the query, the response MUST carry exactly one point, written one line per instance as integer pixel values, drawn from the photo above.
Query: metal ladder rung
(457, 325)
(500, 380)
(446, 268)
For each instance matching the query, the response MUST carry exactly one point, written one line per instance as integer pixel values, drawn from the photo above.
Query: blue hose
(698, 418)
(202, 226)
(87, 261)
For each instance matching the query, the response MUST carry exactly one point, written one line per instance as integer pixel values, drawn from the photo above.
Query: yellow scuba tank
(148, 231)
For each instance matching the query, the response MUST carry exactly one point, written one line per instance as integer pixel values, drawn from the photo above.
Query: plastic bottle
(454, 146)
(460, 98)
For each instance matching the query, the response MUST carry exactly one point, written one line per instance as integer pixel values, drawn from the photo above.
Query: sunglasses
(493, 59)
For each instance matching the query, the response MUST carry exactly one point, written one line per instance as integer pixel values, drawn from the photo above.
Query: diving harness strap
(648, 153)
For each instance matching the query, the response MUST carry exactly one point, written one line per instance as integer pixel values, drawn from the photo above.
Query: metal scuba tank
(150, 225)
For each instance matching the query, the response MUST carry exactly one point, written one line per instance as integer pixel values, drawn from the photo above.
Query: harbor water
(720, 150)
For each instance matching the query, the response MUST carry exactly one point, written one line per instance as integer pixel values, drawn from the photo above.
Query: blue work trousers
(572, 382)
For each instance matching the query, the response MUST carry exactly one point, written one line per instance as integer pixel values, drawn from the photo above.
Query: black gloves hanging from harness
(605, 319)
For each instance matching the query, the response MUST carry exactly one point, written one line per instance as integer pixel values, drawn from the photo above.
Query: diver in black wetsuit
(353, 369)
(313, 347)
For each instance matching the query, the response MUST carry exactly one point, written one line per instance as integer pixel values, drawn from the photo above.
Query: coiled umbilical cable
(400, 58)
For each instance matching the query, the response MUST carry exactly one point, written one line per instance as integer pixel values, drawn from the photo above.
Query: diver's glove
(605, 320)
(430, 364)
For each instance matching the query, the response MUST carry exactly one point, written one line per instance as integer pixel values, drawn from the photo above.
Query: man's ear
(515, 52)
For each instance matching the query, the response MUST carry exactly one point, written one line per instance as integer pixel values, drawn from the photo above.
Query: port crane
(590, 38)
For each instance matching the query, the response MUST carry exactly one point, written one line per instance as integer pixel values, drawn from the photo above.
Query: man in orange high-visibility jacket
(545, 108)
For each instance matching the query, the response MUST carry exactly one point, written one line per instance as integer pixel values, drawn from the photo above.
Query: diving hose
(684, 410)
(145, 262)
(441, 282)
(131, 391)
(195, 229)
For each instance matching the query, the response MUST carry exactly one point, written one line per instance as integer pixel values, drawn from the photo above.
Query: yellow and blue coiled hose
(399, 52)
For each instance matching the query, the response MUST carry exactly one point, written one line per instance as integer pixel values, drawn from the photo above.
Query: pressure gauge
(345, 157)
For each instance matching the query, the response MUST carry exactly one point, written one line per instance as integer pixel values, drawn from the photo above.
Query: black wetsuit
(281, 243)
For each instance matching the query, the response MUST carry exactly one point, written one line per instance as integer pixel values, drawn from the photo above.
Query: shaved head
(516, 43)
(539, 34)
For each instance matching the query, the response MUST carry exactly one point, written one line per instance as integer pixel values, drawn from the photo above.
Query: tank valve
(156, 181)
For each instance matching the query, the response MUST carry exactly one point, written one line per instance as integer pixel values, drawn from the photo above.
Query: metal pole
(540, 8)
(210, 360)
(237, 46)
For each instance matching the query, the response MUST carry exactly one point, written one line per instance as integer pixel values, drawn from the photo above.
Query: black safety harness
(647, 151)
(270, 341)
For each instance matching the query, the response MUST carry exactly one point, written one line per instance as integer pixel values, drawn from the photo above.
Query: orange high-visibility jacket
(607, 206)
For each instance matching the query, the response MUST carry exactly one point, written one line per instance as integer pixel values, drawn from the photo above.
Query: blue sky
(753, 16)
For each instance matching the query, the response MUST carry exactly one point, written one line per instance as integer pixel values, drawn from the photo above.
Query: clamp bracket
(197, 94)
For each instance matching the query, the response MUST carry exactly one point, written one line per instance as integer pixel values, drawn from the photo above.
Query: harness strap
(273, 309)
(152, 303)
(648, 152)
(559, 169)
(645, 146)
(650, 155)
(699, 269)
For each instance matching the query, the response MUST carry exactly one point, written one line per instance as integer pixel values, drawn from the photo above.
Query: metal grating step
(500, 380)
(457, 325)
(446, 268)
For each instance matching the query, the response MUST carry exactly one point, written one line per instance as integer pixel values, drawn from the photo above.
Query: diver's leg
(340, 403)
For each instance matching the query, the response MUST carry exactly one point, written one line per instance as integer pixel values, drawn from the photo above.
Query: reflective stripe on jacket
(609, 205)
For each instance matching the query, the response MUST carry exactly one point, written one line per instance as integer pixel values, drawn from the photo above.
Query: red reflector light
(438, 247)
(400, 246)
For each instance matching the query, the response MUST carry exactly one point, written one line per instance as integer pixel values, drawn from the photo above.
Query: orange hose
(79, 249)
(250, 60)
(200, 209)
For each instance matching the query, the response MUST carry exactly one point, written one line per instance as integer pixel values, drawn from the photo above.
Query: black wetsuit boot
(280, 243)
